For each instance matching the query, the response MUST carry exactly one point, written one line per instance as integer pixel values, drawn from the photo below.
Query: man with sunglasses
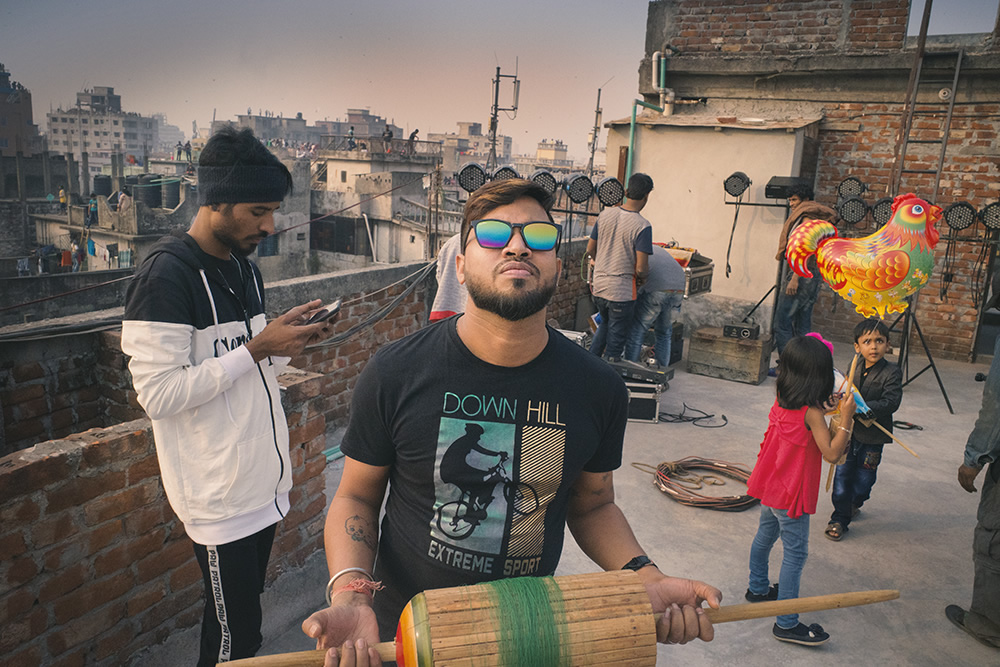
(620, 243)
(553, 414)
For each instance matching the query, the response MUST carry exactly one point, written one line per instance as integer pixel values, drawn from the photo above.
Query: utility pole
(595, 137)
(491, 161)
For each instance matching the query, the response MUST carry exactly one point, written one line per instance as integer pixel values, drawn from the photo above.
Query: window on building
(343, 177)
(84, 121)
(958, 17)
(84, 133)
(115, 122)
(3, 120)
(4, 143)
(268, 247)
(117, 134)
(341, 234)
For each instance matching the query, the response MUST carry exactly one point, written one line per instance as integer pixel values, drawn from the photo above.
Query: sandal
(835, 531)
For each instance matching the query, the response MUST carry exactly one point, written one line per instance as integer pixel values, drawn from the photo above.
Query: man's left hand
(680, 601)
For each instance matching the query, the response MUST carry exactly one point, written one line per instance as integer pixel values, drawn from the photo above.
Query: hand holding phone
(325, 313)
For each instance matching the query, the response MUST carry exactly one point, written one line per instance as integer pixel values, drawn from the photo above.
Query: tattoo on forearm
(362, 530)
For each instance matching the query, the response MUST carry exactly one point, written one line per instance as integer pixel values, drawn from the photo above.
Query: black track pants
(234, 579)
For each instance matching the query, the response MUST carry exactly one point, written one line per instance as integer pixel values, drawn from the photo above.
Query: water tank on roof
(171, 192)
(102, 185)
(148, 190)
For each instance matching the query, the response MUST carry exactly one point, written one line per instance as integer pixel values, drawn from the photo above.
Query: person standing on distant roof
(411, 142)
(187, 150)
(387, 139)
(179, 148)
(620, 244)
(204, 362)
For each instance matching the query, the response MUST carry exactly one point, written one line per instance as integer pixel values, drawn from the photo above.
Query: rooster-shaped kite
(876, 272)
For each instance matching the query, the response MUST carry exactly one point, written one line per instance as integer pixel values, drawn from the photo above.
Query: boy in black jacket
(880, 383)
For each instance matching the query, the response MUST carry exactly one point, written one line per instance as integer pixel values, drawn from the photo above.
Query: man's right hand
(967, 477)
(341, 627)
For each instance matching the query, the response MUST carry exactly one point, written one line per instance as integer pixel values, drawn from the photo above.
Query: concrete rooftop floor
(915, 535)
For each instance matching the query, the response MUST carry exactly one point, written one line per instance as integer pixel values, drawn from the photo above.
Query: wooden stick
(850, 387)
(884, 430)
(738, 612)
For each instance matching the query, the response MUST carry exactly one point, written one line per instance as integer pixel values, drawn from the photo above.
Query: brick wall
(862, 147)
(780, 28)
(52, 388)
(94, 563)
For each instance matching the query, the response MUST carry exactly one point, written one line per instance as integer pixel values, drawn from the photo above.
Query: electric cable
(732, 233)
(697, 420)
(678, 480)
(111, 323)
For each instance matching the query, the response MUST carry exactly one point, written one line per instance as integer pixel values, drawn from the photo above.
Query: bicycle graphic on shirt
(458, 519)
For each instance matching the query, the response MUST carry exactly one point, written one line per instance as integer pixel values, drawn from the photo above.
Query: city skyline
(424, 66)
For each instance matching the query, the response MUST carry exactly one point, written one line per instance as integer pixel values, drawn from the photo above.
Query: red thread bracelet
(362, 586)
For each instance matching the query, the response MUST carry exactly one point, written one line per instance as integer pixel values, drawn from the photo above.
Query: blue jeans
(794, 535)
(656, 309)
(852, 485)
(616, 318)
(793, 312)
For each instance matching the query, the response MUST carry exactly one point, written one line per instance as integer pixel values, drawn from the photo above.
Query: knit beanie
(241, 183)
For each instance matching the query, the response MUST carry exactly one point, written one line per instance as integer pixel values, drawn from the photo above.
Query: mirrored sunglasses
(496, 234)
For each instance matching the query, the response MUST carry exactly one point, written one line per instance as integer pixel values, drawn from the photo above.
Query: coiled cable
(678, 480)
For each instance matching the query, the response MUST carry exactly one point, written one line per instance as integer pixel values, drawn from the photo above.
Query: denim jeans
(794, 535)
(793, 312)
(656, 309)
(616, 317)
(852, 485)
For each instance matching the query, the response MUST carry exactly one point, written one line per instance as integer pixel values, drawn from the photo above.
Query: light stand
(910, 322)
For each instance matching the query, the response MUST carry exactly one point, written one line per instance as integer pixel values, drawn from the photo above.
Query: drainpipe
(667, 97)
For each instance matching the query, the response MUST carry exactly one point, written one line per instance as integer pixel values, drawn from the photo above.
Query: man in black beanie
(204, 363)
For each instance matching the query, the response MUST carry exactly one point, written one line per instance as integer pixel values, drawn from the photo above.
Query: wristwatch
(638, 563)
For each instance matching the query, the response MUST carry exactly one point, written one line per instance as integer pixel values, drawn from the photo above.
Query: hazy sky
(423, 64)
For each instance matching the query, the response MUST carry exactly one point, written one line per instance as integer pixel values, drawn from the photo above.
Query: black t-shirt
(521, 437)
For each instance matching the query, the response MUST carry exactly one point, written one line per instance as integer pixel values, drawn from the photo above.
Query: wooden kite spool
(601, 619)
(594, 619)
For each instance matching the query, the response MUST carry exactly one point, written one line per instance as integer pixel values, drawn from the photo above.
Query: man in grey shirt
(620, 243)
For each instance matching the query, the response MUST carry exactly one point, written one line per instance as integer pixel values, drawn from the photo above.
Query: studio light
(472, 176)
(852, 210)
(850, 187)
(736, 184)
(882, 211)
(545, 180)
(505, 172)
(610, 191)
(579, 188)
(990, 215)
(960, 215)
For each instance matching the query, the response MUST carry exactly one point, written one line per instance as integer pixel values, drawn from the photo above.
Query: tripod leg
(931, 365)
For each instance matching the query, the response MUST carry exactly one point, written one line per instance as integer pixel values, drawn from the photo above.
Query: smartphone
(325, 313)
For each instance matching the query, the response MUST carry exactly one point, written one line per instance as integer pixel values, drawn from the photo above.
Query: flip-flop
(834, 531)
